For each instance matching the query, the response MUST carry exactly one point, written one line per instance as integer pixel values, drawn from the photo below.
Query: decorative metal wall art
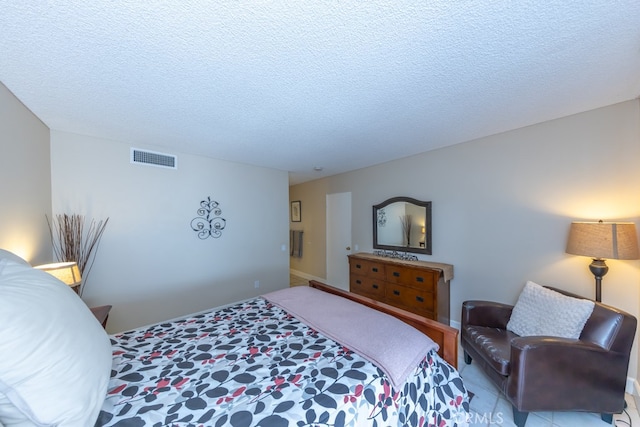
(208, 223)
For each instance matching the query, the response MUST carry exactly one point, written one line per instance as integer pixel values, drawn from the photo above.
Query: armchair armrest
(527, 350)
(486, 313)
(551, 373)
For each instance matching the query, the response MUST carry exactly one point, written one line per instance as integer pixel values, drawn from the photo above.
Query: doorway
(338, 239)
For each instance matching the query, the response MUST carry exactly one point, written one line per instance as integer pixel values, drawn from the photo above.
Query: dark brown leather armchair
(549, 373)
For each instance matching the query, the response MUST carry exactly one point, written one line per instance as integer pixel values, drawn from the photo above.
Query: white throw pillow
(541, 311)
(56, 357)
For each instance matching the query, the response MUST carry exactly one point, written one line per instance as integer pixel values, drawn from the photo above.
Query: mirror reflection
(402, 224)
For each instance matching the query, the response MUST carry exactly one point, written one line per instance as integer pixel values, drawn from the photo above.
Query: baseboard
(633, 388)
(307, 276)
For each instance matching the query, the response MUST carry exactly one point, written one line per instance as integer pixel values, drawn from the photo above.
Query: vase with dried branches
(406, 221)
(71, 242)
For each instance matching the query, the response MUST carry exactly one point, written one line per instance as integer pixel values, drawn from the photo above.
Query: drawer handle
(420, 279)
(396, 292)
(358, 266)
(396, 274)
(358, 282)
(375, 286)
(374, 269)
(420, 299)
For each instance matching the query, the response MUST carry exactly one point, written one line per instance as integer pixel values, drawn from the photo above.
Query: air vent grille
(153, 158)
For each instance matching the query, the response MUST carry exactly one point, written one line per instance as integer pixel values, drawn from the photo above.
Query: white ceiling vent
(152, 158)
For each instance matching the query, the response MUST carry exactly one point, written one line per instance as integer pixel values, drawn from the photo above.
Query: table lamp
(67, 272)
(603, 240)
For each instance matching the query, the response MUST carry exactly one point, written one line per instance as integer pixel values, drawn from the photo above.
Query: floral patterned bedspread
(252, 364)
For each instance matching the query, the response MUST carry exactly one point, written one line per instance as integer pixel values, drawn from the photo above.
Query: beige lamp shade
(603, 240)
(67, 272)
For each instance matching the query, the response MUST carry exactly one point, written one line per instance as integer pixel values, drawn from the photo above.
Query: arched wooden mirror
(402, 224)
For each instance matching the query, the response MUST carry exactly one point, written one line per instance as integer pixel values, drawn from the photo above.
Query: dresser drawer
(416, 278)
(370, 269)
(416, 300)
(367, 286)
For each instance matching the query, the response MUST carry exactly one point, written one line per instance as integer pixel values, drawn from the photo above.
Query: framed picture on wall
(296, 211)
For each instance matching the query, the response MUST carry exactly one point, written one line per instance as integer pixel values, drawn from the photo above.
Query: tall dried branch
(71, 242)
(406, 221)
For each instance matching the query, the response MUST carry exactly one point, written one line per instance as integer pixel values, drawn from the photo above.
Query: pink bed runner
(392, 345)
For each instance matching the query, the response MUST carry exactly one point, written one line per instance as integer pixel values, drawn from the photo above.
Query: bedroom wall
(24, 173)
(150, 265)
(502, 206)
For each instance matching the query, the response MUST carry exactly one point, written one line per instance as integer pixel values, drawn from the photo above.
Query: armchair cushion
(541, 311)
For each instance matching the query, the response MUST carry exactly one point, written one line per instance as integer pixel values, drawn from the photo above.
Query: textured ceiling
(293, 85)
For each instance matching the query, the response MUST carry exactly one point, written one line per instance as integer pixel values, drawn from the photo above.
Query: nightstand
(102, 314)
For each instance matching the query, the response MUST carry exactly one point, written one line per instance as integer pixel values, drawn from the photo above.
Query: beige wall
(25, 175)
(151, 266)
(502, 205)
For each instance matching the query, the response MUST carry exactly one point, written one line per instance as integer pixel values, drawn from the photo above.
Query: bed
(253, 363)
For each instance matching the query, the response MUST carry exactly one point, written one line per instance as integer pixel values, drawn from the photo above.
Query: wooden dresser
(417, 286)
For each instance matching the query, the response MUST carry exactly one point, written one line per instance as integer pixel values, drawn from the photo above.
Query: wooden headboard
(445, 336)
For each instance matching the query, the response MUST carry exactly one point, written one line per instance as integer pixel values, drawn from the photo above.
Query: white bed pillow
(541, 311)
(5, 254)
(56, 357)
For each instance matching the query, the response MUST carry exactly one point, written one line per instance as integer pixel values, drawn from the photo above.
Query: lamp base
(599, 268)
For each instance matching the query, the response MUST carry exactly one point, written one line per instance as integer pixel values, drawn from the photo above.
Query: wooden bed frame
(445, 336)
